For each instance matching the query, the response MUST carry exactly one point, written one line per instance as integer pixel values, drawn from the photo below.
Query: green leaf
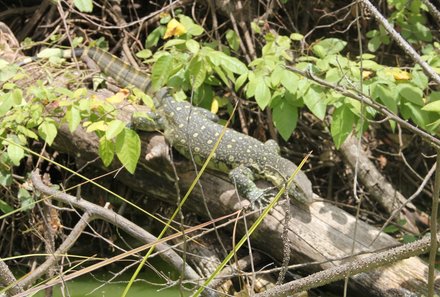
(27, 203)
(232, 39)
(342, 124)
(432, 106)
(390, 229)
(329, 46)
(15, 152)
(419, 79)
(419, 116)
(5, 207)
(374, 43)
(232, 64)
(411, 93)
(387, 95)
(48, 131)
(7, 71)
(193, 46)
(114, 128)
(285, 117)
(73, 117)
(422, 32)
(255, 27)
(95, 126)
(17, 96)
(262, 93)
(276, 75)
(7, 101)
(5, 177)
(314, 100)
(27, 132)
(296, 36)
(84, 5)
(173, 42)
(290, 81)
(154, 37)
(128, 149)
(161, 71)
(144, 54)
(191, 28)
(197, 71)
(146, 99)
(222, 75)
(240, 81)
(106, 151)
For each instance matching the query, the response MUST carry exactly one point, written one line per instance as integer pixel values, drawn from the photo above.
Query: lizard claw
(262, 198)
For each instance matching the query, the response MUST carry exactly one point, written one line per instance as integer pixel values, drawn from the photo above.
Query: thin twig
(434, 242)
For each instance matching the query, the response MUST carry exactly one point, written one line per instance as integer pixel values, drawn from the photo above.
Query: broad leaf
(342, 124)
(114, 128)
(232, 64)
(329, 46)
(15, 152)
(48, 131)
(387, 95)
(232, 39)
(285, 117)
(411, 93)
(128, 149)
(106, 150)
(161, 71)
(197, 71)
(314, 100)
(432, 106)
(290, 81)
(84, 5)
(262, 92)
(73, 117)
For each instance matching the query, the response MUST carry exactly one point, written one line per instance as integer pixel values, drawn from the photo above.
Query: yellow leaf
(214, 106)
(174, 28)
(366, 74)
(120, 96)
(399, 74)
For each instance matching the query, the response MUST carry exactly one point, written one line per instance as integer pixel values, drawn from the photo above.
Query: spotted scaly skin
(193, 131)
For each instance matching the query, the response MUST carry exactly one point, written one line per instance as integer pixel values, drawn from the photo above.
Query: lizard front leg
(147, 121)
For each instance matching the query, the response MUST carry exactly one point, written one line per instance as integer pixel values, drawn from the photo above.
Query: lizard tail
(111, 65)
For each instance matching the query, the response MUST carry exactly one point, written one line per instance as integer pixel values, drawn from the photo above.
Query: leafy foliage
(191, 66)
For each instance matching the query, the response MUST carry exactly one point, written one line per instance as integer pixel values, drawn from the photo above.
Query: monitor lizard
(193, 131)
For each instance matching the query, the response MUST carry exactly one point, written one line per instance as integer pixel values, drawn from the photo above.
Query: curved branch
(119, 221)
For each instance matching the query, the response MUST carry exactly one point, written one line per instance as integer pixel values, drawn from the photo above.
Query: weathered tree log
(377, 186)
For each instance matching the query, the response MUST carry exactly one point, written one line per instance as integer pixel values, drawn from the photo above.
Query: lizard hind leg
(272, 146)
(243, 178)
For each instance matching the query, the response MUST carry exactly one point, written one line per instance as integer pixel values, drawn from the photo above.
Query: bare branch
(401, 42)
(357, 266)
